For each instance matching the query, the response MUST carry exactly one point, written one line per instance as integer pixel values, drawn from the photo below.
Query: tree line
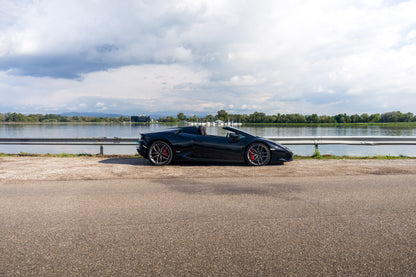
(50, 118)
(259, 117)
(256, 117)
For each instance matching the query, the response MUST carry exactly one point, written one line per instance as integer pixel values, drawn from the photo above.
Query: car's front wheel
(160, 153)
(258, 154)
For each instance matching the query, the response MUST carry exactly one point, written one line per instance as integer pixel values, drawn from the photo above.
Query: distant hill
(92, 114)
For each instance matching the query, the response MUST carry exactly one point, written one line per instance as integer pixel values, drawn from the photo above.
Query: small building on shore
(140, 118)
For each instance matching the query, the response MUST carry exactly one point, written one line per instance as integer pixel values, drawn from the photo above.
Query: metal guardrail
(310, 140)
(346, 140)
(70, 141)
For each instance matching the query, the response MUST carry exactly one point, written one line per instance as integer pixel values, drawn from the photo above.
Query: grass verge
(332, 157)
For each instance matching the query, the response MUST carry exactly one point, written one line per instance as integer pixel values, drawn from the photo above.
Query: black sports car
(193, 144)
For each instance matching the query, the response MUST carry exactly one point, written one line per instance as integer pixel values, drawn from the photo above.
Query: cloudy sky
(197, 57)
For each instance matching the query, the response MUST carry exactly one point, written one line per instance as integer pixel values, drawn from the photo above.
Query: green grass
(332, 157)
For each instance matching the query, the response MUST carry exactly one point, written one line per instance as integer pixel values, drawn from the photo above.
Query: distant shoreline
(377, 124)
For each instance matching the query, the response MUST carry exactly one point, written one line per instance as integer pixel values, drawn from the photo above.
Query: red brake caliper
(252, 154)
(165, 152)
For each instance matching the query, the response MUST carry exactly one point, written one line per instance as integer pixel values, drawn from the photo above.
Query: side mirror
(234, 137)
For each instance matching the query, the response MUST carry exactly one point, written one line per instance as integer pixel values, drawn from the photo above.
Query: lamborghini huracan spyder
(193, 144)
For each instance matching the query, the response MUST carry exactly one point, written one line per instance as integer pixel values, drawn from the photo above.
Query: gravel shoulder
(93, 168)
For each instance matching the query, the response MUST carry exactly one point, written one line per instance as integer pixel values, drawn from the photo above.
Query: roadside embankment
(101, 168)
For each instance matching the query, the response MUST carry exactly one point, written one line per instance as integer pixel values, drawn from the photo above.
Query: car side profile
(193, 144)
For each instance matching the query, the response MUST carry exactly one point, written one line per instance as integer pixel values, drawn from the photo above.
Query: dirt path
(92, 168)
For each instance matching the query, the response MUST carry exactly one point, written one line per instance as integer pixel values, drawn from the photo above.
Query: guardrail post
(316, 154)
(101, 150)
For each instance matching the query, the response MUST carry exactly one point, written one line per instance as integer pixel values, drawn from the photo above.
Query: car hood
(273, 143)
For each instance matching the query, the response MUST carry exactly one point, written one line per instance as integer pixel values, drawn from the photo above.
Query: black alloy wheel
(160, 153)
(258, 154)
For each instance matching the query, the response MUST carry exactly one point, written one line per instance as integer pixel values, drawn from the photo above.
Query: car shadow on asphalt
(145, 162)
(130, 161)
(191, 164)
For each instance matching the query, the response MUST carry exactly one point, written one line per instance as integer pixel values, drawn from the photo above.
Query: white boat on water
(218, 123)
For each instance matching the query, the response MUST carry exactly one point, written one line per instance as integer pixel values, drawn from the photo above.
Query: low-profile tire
(160, 153)
(257, 154)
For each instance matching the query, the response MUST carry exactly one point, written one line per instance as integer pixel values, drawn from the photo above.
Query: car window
(190, 130)
(240, 136)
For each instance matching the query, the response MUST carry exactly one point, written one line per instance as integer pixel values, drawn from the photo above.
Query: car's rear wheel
(258, 154)
(160, 153)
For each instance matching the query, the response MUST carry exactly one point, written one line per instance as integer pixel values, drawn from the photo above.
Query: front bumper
(281, 156)
(142, 149)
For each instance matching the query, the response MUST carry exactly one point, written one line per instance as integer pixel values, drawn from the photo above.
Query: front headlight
(277, 147)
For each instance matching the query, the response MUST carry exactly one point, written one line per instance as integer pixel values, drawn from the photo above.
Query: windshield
(237, 131)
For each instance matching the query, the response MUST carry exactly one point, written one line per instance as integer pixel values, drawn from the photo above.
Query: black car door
(219, 148)
(185, 145)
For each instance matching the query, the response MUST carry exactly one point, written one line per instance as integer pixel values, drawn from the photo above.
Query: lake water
(127, 130)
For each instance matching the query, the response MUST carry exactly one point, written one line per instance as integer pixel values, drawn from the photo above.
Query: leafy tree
(392, 117)
(257, 117)
(409, 117)
(340, 118)
(270, 118)
(355, 118)
(194, 118)
(181, 116)
(170, 119)
(222, 115)
(209, 118)
(365, 118)
(312, 118)
(327, 119)
(374, 118)
(281, 118)
(16, 117)
(295, 118)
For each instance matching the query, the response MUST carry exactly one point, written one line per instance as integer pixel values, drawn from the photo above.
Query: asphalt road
(228, 226)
